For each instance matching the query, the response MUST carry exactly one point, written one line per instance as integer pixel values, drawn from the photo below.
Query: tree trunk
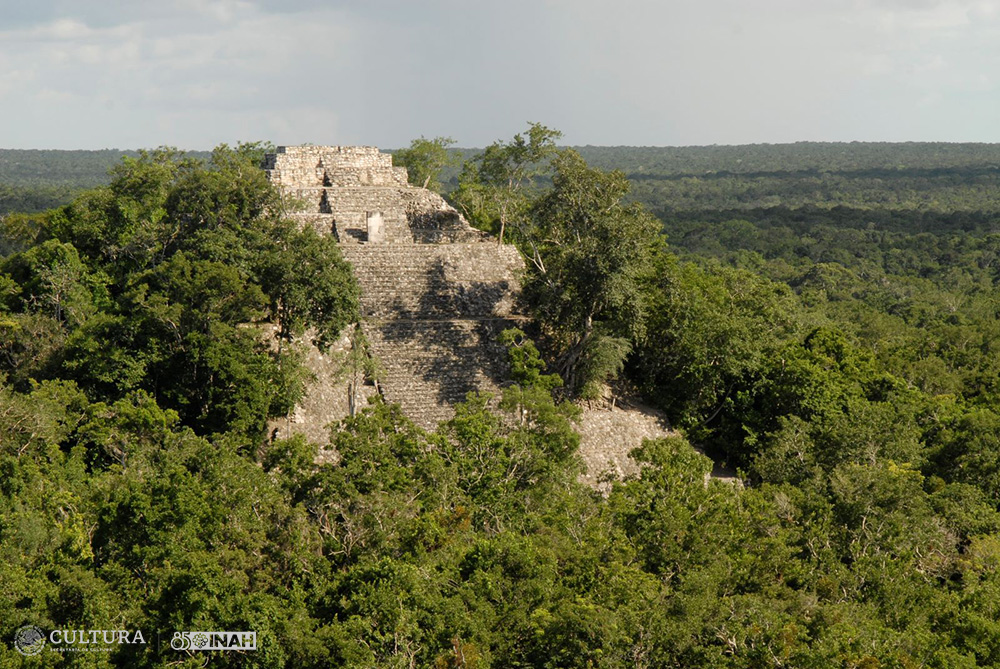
(571, 359)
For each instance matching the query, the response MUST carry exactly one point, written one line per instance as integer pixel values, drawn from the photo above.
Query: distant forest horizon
(34, 180)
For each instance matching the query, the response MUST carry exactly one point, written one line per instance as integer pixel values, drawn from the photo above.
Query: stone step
(431, 365)
(348, 200)
(463, 261)
(430, 281)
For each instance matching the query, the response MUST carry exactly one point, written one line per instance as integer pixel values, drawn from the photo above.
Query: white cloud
(137, 79)
(82, 73)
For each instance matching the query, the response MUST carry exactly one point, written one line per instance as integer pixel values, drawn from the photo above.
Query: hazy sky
(194, 73)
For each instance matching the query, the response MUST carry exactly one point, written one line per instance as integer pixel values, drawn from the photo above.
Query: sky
(92, 74)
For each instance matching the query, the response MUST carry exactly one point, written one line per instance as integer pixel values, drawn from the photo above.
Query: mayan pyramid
(435, 292)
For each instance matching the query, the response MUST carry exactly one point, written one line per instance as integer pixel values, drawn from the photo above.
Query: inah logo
(29, 640)
(214, 641)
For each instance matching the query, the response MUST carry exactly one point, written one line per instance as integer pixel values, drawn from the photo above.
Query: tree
(425, 159)
(598, 251)
(309, 284)
(711, 331)
(151, 283)
(124, 227)
(52, 280)
(492, 189)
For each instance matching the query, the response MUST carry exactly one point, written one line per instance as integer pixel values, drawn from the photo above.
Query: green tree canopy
(152, 282)
(494, 188)
(597, 254)
(424, 160)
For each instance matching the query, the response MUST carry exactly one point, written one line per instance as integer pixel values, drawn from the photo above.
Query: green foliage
(157, 281)
(602, 359)
(309, 285)
(591, 252)
(597, 253)
(51, 279)
(526, 364)
(849, 369)
(709, 330)
(495, 187)
(424, 160)
(19, 232)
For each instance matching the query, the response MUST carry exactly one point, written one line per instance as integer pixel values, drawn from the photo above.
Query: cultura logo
(29, 640)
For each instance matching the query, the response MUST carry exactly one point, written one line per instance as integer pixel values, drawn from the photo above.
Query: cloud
(83, 73)
(212, 65)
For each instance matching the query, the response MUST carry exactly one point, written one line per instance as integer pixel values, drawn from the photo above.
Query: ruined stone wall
(317, 166)
(410, 214)
(435, 293)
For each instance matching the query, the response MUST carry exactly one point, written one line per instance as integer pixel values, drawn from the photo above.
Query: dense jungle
(821, 318)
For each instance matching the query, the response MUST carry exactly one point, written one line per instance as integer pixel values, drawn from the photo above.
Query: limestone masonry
(435, 292)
